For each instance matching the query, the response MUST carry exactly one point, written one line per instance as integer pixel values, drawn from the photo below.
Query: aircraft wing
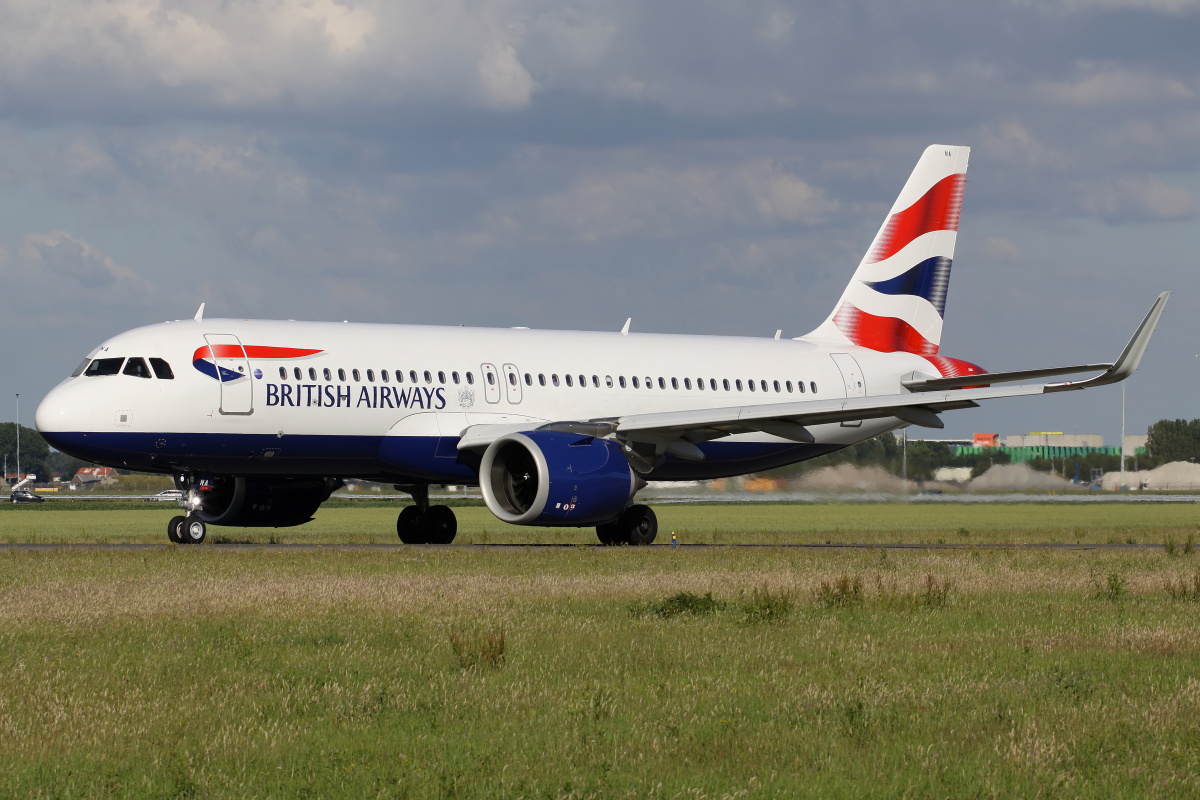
(678, 432)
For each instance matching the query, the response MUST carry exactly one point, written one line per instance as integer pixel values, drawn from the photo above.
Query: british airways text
(337, 396)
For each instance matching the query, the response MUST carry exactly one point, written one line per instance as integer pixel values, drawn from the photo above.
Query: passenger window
(687, 383)
(813, 385)
(738, 384)
(312, 373)
(635, 382)
(607, 380)
(512, 379)
(788, 384)
(750, 385)
(596, 382)
(554, 378)
(776, 387)
(283, 373)
(383, 375)
(763, 384)
(674, 383)
(441, 377)
(137, 368)
(491, 379)
(662, 383)
(621, 380)
(104, 366)
(412, 374)
(569, 379)
(428, 377)
(328, 374)
(162, 370)
(454, 377)
(725, 383)
(583, 381)
(649, 382)
(800, 386)
(297, 373)
(470, 378)
(79, 370)
(541, 379)
(371, 375)
(341, 375)
(700, 384)
(356, 375)
(528, 379)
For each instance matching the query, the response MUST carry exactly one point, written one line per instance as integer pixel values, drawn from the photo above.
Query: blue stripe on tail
(929, 279)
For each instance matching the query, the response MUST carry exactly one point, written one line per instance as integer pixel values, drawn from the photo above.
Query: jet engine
(556, 479)
(256, 502)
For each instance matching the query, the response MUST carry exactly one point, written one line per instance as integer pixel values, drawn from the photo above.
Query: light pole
(18, 437)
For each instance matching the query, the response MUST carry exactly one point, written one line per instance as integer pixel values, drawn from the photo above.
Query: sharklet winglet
(199, 313)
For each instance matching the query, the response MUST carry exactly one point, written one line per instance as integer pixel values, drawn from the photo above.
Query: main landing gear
(422, 523)
(637, 525)
(186, 530)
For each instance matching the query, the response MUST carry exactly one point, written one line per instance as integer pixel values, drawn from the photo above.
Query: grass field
(607, 672)
(812, 523)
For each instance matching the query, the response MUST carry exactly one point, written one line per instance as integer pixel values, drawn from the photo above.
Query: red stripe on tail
(883, 334)
(937, 210)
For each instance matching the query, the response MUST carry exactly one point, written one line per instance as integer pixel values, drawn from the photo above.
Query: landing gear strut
(422, 523)
(637, 525)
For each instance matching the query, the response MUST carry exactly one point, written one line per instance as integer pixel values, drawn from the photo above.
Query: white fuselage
(341, 400)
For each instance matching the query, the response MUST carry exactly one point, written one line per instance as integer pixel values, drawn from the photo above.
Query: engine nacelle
(556, 479)
(258, 502)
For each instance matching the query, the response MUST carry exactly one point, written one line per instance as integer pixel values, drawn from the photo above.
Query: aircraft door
(512, 383)
(233, 371)
(852, 376)
(491, 383)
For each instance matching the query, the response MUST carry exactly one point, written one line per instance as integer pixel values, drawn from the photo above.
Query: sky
(699, 166)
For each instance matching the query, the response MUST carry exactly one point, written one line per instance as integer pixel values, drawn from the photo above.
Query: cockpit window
(137, 368)
(162, 370)
(79, 370)
(104, 366)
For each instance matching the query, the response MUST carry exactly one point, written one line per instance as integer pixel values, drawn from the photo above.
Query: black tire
(639, 525)
(194, 530)
(408, 526)
(175, 530)
(440, 525)
(609, 533)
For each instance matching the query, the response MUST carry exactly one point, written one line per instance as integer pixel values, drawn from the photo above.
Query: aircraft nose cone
(67, 409)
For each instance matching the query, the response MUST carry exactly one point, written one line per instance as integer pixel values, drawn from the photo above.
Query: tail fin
(897, 297)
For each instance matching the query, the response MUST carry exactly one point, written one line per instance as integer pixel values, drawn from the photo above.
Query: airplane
(259, 421)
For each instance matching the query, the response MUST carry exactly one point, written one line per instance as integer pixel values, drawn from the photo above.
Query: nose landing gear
(422, 523)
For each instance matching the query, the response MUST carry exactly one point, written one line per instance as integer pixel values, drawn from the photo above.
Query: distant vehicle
(169, 494)
(26, 496)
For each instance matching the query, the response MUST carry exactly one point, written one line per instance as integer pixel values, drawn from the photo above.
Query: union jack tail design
(897, 297)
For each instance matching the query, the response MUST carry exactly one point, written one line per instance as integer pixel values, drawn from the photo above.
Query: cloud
(1138, 199)
(279, 53)
(1011, 141)
(1109, 85)
(655, 202)
(54, 261)
(1002, 250)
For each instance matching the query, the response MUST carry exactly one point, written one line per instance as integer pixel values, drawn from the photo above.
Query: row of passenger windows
(701, 384)
(135, 367)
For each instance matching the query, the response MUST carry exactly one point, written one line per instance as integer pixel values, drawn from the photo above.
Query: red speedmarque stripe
(253, 351)
(883, 334)
(937, 210)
